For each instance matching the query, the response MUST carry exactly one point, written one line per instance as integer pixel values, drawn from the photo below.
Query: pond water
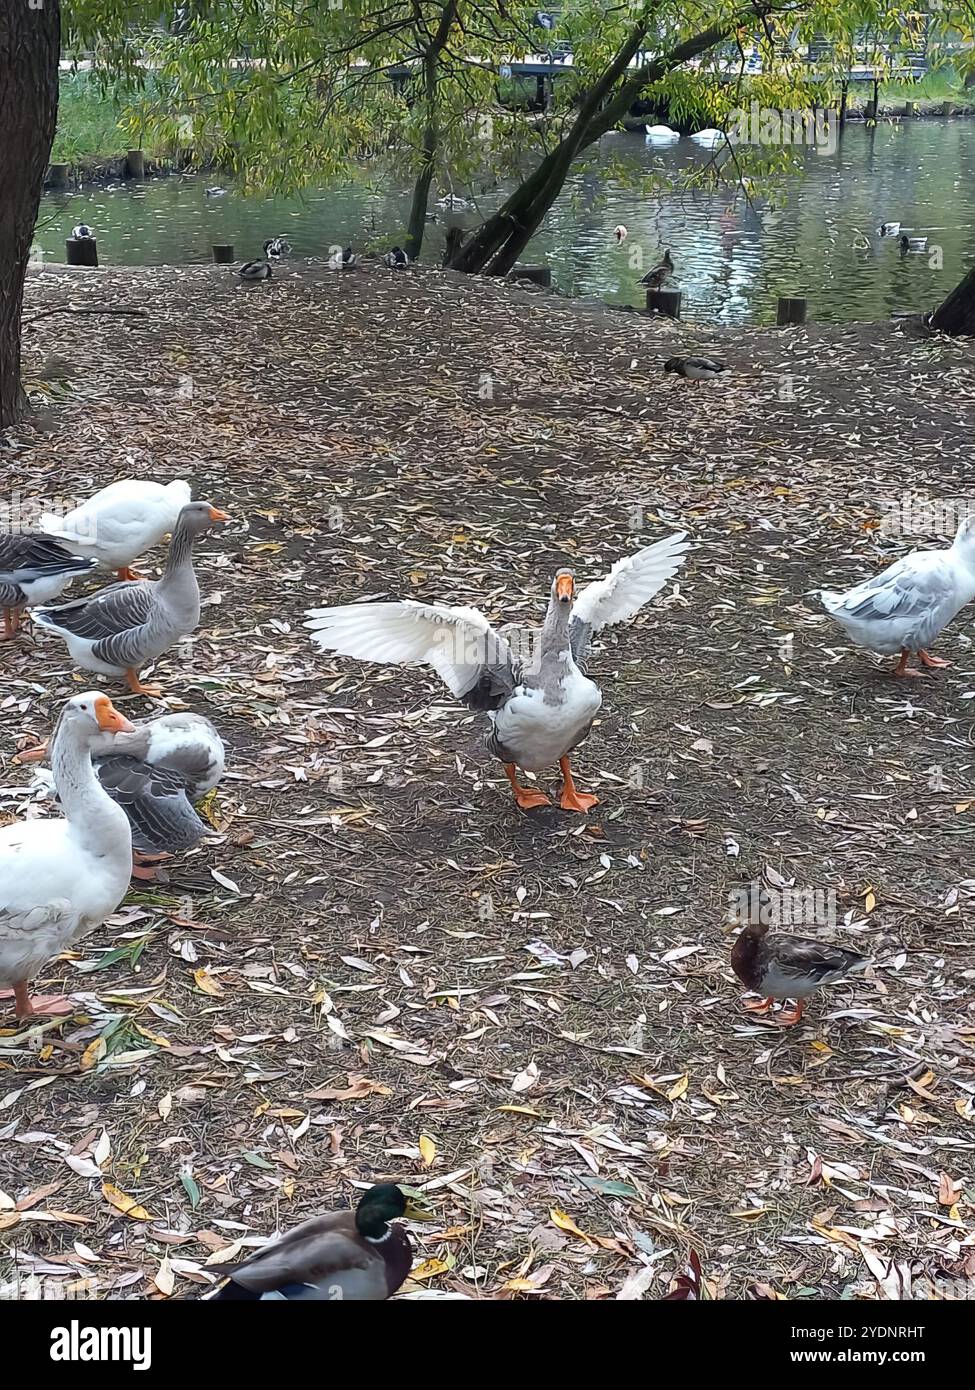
(732, 260)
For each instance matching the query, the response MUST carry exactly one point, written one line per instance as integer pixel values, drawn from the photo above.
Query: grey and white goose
(156, 773)
(396, 259)
(33, 570)
(123, 627)
(276, 249)
(540, 702)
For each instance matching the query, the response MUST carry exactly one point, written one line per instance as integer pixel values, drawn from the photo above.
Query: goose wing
(156, 802)
(630, 584)
(472, 659)
(917, 592)
(113, 620)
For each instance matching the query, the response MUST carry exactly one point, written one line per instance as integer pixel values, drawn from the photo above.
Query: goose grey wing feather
(114, 620)
(580, 639)
(499, 672)
(906, 591)
(155, 801)
(11, 595)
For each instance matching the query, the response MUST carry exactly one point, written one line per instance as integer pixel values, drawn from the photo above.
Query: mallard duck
(120, 522)
(396, 259)
(276, 248)
(82, 232)
(122, 628)
(343, 260)
(620, 233)
(661, 272)
(59, 879)
(904, 607)
(541, 705)
(33, 569)
(916, 244)
(253, 271)
(788, 967)
(349, 1256)
(696, 368)
(887, 229)
(155, 773)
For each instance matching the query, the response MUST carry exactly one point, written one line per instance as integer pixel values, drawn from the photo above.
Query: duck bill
(416, 1208)
(565, 588)
(109, 719)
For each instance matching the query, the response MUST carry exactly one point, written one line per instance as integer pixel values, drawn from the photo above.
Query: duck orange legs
(136, 686)
(572, 800)
(525, 798)
(11, 623)
(788, 1020)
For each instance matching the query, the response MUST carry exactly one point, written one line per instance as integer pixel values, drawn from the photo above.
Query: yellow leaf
(749, 1213)
(428, 1150)
(520, 1286)
(429, 1269)
(92, 1054)
(870, 901)
(678, 1088)
(206, 982)
(164, 1278)
(127, 1205)
(564, 1221)
(965, 1109)
(520, 1110)
(165, 1105)
(8, 1219)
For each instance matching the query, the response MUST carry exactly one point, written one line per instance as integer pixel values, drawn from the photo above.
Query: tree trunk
(30, 46)
(430, 142)
(957, 314)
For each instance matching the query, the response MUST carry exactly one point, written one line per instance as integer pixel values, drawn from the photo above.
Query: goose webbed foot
(136, 686)
(572, 800)
(935, 663)
(902, 668)
(11, 624)
(758, 1006)
(126, 573)
(525, 798)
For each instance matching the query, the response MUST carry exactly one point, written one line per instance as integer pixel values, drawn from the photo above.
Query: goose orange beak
(217, 515)
(565, 587)
(109, 718)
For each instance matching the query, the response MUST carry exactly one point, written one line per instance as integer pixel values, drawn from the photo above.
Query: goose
(82, 232)
(59, 879)
(696, 368)
(120, 522)
(349, 1256)
(541, 706)
(253, 271)
(33, 570)
(887, 229)
(662, 271)
(906, 606)
(620, 233)
(122, 628)
(155, 773)
(913, 243)
(343, 260)
(788, 967)
(396, 259)
(662, 133)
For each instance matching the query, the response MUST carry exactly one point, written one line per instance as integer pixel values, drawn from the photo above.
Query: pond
(732, 259)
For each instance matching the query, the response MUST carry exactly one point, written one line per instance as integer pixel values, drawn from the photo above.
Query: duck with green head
(356, 1256)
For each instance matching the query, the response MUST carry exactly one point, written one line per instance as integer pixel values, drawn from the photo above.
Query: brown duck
(355, 1256)
(788, 967)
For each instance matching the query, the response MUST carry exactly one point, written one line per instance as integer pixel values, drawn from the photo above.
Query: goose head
(91, 716)
(965, 540)
(563, 589)
(198, 517)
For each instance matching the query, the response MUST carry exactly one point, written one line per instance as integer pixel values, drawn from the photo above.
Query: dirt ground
(385, 970)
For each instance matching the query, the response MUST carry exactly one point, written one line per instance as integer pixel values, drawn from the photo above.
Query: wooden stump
(454, 241)
(81, 250)
(534, 274)
(135, 164)
(57, 176)
(790, 311)
(947, 108)
(666, 302)
(910, 108)
(223, 255)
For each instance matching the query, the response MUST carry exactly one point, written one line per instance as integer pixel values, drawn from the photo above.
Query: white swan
(662, 134)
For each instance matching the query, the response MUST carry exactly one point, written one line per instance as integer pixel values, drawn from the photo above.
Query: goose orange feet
(935, 663)
(126, 573)
(758, 1006)
(136, 686)
(902, 668)
(572, 800)
(525, 798)
(11, 624)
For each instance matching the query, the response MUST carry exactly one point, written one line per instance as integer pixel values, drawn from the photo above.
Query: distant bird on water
(214, 192)
(82, 232)
(889, 229)
(662, 271)
(620, 233)
(913, 243)
(396, 259)
(696, 368)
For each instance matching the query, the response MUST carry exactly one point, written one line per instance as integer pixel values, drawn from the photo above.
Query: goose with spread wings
(540, 702)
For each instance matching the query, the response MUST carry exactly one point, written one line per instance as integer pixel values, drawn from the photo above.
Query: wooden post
(534, 274)
(844, 97)
(910, 108)
(223, 255)
(666, 302)
(57, 176)
(454, 241)
(790, 311)
(135, 164)
(947, 108)
(81, 250)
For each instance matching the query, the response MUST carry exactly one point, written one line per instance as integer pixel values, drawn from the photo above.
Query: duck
(60, 878)
(454, 203)
(788, 967)
(887, 229)
(540, 703)
(906, 606)
(356, 1256)
(913, 243)
(251, 272)
(620, 233)
(123, 627)
(82, 232)
(120, 522)
(662, 133)
(214, 192)
(276, 248)
(343, 259)
(396, 259)
(662, 271)
(696, 368)
(156, 773)
(34, 569)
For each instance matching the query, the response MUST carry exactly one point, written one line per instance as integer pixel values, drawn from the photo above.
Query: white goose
(540, 703)
(59, 879)
(120, 522)
(905, 607)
